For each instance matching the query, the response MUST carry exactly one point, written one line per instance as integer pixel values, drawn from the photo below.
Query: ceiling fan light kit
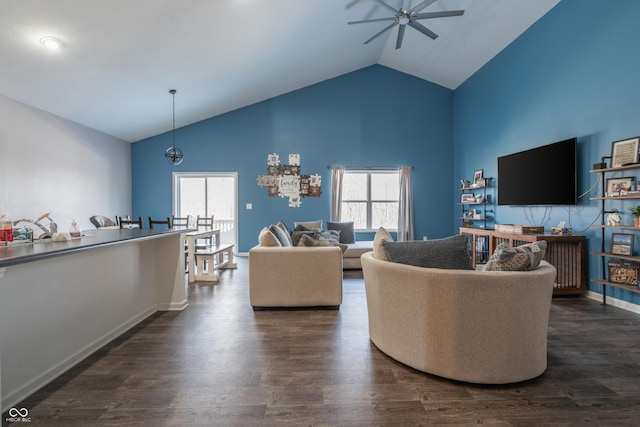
(408, 16)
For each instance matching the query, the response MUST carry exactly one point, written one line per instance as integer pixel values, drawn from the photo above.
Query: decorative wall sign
(286, 181)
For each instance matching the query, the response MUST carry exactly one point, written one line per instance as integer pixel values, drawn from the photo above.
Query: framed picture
(478, 180)
(624, 152)
(623, 272)
(304, 185)
(622, 244)
(619, 186)
(467, 198)
(273, 170)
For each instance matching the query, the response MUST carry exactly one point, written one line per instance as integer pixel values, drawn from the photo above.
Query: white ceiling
(121, 57)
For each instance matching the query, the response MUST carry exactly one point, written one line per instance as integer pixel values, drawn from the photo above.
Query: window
(370, 199)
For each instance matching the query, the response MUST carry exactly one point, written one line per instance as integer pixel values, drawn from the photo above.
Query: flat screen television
(540, 176)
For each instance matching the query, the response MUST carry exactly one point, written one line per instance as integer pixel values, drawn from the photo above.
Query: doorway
(207, 194)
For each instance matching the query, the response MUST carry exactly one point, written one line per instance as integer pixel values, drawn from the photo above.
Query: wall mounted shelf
(606, 235)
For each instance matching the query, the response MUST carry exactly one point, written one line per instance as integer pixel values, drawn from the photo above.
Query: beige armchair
(480, 327)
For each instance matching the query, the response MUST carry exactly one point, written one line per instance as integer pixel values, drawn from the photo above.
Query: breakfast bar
(97, 286)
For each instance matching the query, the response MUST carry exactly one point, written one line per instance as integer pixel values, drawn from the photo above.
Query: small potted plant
(636, 215)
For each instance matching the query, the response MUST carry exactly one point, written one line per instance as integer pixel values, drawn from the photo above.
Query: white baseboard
(173, 306)
(16, 396)
(625, 305)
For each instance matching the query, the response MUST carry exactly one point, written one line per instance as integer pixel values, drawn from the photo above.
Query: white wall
(49, 164)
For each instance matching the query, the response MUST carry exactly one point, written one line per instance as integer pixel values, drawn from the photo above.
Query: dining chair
(130, 222)
(204, 223)
(179, 221)
(166, 222)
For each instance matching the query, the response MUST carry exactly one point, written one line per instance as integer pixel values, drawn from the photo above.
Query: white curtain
(405, 210)
(337, 174)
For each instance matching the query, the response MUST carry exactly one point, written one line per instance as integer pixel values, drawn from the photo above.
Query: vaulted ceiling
(120, 57)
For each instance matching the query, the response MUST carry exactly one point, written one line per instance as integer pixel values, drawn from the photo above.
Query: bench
(212, 259)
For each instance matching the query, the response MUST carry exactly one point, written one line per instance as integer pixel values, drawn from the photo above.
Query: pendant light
(172, 154)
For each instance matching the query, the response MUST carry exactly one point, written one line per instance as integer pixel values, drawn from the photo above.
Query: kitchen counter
(62, 301)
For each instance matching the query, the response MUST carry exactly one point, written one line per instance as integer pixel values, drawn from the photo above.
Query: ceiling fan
(409, 16)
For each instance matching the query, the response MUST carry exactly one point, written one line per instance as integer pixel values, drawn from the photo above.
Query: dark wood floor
(218, 363)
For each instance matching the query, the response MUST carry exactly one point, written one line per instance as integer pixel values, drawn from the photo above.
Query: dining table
(191, 238)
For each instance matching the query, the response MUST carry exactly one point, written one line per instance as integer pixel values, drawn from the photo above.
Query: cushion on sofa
(382, 236)
(299, 232)
(522, 258)
(281, 235)
(355, 250)
(330, 235)
(283, 225)
(449, 253)
(267, 238)
(307, 240)
(309, 225)
(347, 234)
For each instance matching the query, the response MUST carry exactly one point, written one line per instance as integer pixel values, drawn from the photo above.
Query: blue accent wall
(374, 116)
(573, 73)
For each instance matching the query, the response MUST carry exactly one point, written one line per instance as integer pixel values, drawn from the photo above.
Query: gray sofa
(487, 327)
(351, 257)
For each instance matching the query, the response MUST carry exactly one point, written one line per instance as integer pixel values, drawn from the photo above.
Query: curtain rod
(370, 167)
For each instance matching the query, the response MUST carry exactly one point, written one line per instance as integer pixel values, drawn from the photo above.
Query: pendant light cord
(173, 94)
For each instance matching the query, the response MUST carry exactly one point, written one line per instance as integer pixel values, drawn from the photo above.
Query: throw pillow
(536, 251)
(307, 240)
(382, 236)
(330, 235)
(283, 225)
(347, 235)
(522, 258)
(449, 253)
(267, 238)
(284, 238)
(297, 234)
(309, 225)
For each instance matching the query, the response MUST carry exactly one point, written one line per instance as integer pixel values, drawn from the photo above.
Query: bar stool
(165, 221)
(130, 222)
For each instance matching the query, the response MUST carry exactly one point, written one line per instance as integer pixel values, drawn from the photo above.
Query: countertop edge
(92, 239)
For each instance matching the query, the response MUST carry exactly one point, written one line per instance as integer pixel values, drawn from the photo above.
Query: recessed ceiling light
(51, 42)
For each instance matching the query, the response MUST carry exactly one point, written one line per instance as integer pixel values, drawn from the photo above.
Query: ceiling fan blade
(445, 14)
(422, 5)
(381, 32)
(351, 4)
(424, 30)
(400, 36)
(406, 4)
(387, 6)
(370, 20)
